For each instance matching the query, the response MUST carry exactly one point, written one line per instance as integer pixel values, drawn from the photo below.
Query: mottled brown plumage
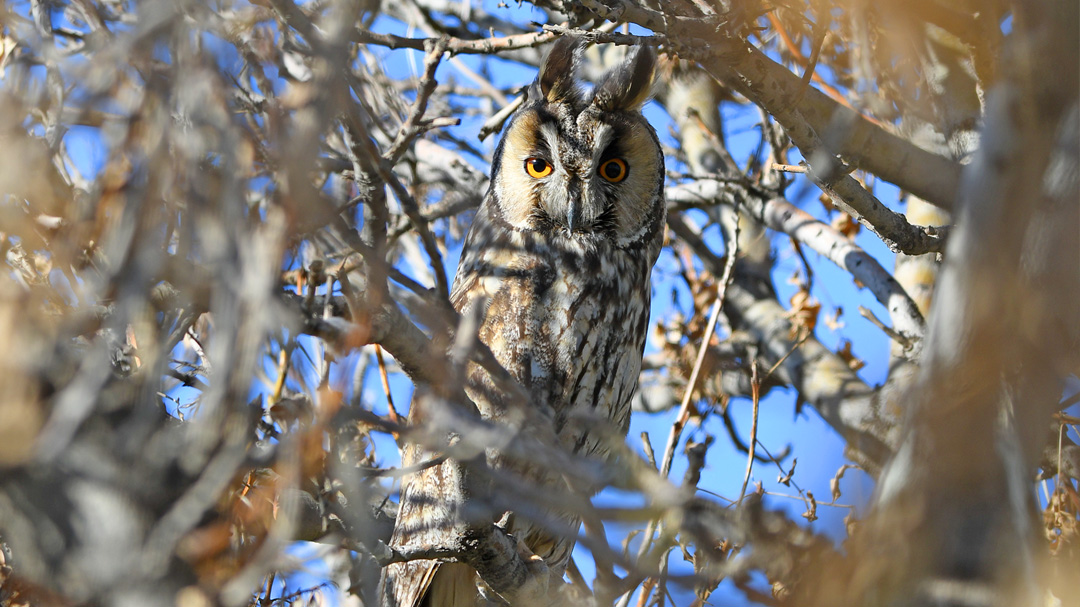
(559, 254)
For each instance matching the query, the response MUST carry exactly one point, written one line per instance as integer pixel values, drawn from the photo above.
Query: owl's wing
(483, 238)
(429, 516)
(430, 497)
(434, 499)
(405, 584)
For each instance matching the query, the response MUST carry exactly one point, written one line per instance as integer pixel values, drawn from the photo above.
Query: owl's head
(583, 165)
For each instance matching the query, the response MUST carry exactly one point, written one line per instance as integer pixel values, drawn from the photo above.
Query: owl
(556, 265)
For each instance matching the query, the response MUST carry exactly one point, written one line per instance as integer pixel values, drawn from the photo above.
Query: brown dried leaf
(811, 509)
(846, 225)
(834, 484)
(826, 202)
(785, 479)
(832, 321)
(803, 313)
(846, 354)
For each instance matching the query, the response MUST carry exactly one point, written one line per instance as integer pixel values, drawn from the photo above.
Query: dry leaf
(846, 225)
(845, 353)
(832, 321)
(803, 313)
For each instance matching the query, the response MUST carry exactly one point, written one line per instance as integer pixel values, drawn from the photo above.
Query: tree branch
(732, 60)
(781, 215)
(821, 377)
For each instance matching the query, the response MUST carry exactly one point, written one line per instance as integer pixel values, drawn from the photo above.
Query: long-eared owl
(559, 256)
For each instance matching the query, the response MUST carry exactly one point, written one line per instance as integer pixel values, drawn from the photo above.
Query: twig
(1059, 481)
(755, 388)
(495, 123)
(385, 555)
(367, 157)
(412, 125)
(269, 589)
(832, 176)
(394, 417)
(733, 434)
(832, 504)
(371, 241)
(714, 315)
(781, 215)
(802, 339)
(684, 407)
(576, 579)
(457, 46)
(423, 229)
(646, 446)
(605, 34)
(789, 168)
(809, 65)
(820, 29)
(403, 470)
(282, 371)
(893, 334)
(806, 263)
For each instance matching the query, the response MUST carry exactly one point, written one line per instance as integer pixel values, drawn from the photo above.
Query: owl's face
(584, 166)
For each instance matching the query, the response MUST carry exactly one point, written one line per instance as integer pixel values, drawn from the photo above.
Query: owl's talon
(538, 581)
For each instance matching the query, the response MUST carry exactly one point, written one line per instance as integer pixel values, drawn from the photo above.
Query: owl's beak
(574, 215)
(575, 212)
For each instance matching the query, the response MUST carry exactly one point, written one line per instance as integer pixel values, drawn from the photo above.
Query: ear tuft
(628, 86)
(558, 69)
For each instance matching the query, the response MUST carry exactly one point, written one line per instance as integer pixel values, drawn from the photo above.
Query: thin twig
(457, 46)
(714, 315)
(826, 88)
(755, 390)
(600, 36)
(646, 446)
(806, 263)
(684, 407)
(403, 470)
(832, 504)
(789, 168)
(802, 339)
(412, 128)
(269, 589)
(282, 372)
(495, 123)
(892, 333)
(733, 434)
(820, 29)
(1061, 438)
(394, 417)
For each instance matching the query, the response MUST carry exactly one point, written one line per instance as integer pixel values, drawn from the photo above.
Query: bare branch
(781, 215)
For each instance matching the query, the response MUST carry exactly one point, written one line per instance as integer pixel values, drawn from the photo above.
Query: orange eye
(613, 170)
(538, 168)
